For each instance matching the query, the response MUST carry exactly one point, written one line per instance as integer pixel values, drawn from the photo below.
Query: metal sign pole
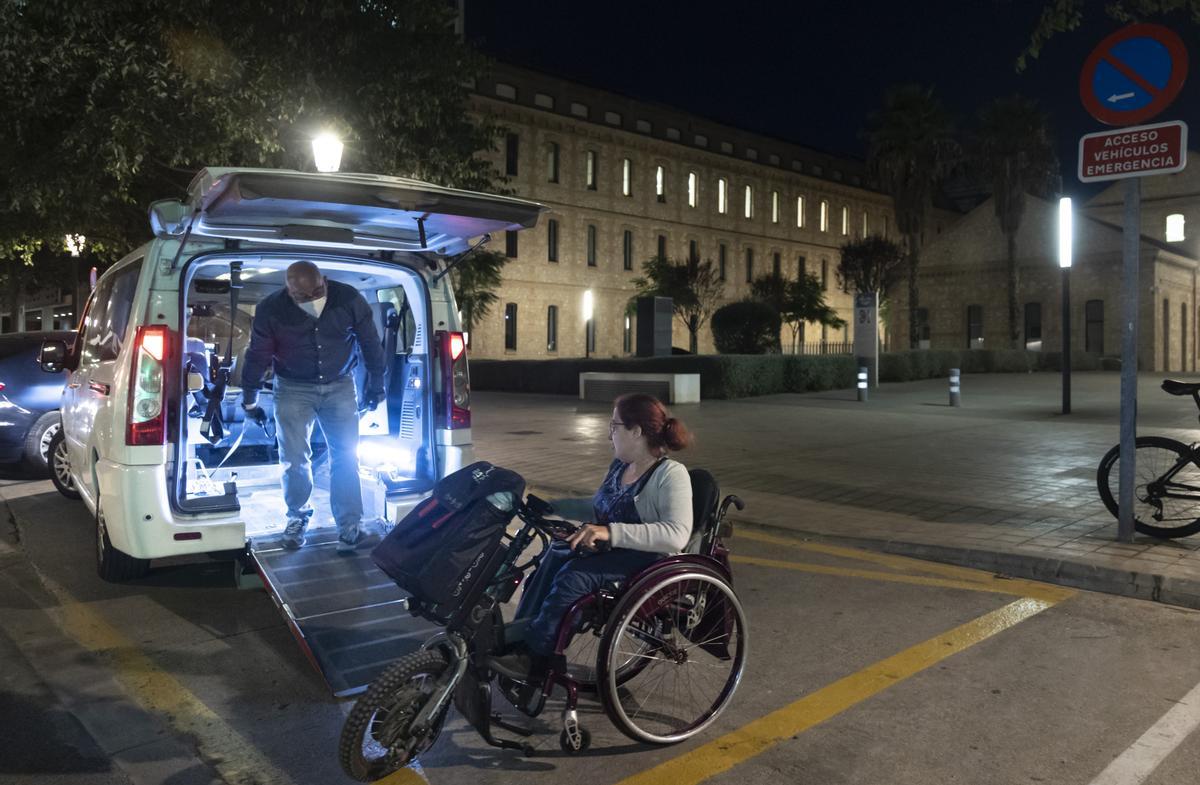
(1131, 237)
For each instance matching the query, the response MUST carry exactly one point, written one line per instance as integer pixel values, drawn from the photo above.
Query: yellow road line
(234, 757)
(1017, 588)
(406, 776)
(724, 753)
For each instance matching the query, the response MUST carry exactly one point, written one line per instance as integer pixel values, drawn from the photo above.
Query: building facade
(625, 181)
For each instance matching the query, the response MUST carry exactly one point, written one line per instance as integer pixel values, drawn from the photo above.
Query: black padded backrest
(705, 495)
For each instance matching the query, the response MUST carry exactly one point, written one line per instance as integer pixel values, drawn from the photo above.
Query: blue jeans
(335, 406)
(562, 578)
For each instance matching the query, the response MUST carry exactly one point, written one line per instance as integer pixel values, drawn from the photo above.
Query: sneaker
(520, 664)
(345, 546)
(293, 535)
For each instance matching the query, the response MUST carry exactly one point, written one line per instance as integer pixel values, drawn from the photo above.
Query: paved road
(865, 668)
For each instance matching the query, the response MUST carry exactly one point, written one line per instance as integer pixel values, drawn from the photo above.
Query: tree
(475, 281)
(1013, 147)
(872, 265)
(694, 287)
(1061, 16)
(108, 106)
(796, 302)
(911, 148)
(746, 327)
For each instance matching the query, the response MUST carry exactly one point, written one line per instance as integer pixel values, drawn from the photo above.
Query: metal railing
(825, 347)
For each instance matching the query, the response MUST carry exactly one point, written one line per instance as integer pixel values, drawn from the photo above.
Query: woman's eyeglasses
(612, 426)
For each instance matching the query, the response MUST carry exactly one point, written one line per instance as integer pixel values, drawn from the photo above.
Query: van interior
(235, 467)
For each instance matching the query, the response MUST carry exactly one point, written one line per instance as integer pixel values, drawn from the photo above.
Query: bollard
(955, 395)
(862, 383)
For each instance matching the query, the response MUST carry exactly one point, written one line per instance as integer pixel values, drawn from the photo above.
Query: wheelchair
(663, 651)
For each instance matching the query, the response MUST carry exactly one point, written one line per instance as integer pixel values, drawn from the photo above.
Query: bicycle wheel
(378, 737)
(1154, 512)
(687, 627)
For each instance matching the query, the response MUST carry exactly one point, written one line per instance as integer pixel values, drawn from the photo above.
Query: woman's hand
(588, 535)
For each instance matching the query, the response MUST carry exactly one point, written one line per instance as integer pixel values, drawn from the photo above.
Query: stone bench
(669, 388)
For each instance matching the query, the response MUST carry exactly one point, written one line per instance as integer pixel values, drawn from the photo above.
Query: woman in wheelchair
(642, 512)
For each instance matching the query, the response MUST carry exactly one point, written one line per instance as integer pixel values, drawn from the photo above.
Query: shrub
(746, 327)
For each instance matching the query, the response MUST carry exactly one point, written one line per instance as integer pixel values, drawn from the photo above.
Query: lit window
(722, 196)
(693, 184)
(748, 200)
(626, 177)
(799, 212)
(864, 223)
(824, 215)
(659, 193)
(1175, 232)
(774, 207)
(552, 162)
(845, 221)
(591, 170)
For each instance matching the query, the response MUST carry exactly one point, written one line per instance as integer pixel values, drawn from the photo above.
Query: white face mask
(314, 307)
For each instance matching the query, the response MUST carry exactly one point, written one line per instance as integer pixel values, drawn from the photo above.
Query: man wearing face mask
(308, 331)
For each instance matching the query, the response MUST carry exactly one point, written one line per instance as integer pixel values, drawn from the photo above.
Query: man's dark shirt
(306, 349)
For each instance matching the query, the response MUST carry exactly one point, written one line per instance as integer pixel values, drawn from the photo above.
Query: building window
(662, 246)
(1093, 326)
(801, 267)
(974, 326)
(591, 246)
(33, 320)
(693, 251)
(510, 327)
(552, 162)
(824, 275)
(579, 110)
(512, 145)
(845, 221)
(510, 245)
(799, 212)
(774, 207)
(552, 328)
(673, 134)
(1175, 233)
(627, 250)
(643, 126)
(693, 184)
(701, 141)
(749, 265)
(727, 147)
(886, 226)
(1033, 327)
(748, 202)
(722, 196)
(552, 240)
(590, 175)
(506, 91)
(824, 215)
(777, 265)
(659, 186)
(627, 339)
(922, 328)
(721, 262)
(542, 100)
(864, 223)
(752, 154)
(626, 177)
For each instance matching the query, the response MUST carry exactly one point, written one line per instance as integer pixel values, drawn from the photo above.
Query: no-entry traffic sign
(1133, 152)
(1133, 74)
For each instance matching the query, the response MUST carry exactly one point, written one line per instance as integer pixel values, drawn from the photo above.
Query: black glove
(256, 414)
(372, 401)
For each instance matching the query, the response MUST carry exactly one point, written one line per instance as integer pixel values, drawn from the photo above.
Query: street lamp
(587, 324)
(1065, 241)
(327, 152)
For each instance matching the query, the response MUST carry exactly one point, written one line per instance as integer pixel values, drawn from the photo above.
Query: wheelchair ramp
(349, 618)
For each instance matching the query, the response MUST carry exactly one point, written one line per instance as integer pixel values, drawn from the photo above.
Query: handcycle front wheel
(377, 738)
(693, 654)
(1153, 513)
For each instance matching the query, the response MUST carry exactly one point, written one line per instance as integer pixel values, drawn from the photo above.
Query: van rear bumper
(140, 522)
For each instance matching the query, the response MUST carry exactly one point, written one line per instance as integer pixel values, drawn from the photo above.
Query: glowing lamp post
(587, 324)
(327, 153)
(1064, 262)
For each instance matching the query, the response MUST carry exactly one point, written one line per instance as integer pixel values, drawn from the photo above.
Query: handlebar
(534, 511)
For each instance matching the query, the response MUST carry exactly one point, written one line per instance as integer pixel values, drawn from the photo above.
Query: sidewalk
(1004, 483)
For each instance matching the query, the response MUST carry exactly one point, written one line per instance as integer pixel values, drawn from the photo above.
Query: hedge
(746, 375)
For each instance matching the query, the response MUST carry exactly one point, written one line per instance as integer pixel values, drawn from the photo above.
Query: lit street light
(1065, 241)
(327, 152)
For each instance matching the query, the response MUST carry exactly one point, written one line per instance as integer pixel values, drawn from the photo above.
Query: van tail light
(456, 381)
(147, 393)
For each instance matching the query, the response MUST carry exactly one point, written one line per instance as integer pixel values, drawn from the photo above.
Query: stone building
(626, 180)
(963, 281)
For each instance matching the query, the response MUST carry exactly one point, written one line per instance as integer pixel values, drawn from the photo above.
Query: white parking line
(1142, 757)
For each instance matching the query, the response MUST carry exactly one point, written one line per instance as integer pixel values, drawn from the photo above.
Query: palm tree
(1014, 149)
(911, 148)
(475, 282)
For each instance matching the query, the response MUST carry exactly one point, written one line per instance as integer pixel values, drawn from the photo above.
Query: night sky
(811, 71)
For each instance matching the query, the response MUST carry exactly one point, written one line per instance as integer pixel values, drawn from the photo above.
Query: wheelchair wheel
(583, 654)
(378, 737)
(686, 629)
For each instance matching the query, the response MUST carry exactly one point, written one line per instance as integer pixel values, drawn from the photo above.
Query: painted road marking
(1142, 757)
(756, 737)
(995, 585)
(234, 757)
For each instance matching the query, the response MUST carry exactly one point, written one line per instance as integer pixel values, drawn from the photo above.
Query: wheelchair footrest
(526, 698)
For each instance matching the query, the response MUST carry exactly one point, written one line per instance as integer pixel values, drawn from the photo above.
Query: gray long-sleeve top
(665, 507)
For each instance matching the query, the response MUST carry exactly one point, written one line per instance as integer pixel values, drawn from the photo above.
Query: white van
(162, 323)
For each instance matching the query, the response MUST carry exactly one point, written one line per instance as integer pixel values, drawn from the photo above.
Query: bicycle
(1166, 490)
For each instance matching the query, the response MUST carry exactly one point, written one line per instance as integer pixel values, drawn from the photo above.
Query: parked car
(29, 398)
(162, 320)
